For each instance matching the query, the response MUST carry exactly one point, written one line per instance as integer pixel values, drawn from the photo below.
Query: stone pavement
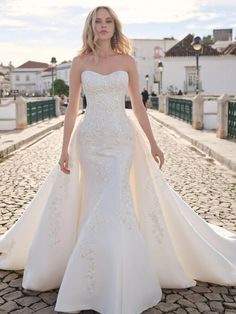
(223, 150)
(208, 186)
(13, 140)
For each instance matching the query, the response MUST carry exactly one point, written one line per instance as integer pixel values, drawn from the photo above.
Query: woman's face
(104, 25)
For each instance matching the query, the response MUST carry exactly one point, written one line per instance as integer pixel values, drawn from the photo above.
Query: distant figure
(145, 97)
(180, 92)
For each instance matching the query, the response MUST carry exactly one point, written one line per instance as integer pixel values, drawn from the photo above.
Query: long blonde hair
(119, 42)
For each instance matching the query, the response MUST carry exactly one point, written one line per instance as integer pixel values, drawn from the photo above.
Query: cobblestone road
(206, 185)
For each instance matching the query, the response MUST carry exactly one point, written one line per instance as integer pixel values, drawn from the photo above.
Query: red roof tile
(230, 50)
(184, 48)
(33, 65)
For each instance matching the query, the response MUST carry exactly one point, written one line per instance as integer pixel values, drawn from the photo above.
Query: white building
(63, 71)
(60, 71)
(146, 53)
(27, 77)
(216, 70)
(35, 78)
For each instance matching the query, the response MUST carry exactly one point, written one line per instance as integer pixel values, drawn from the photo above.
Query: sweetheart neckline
(104, 74)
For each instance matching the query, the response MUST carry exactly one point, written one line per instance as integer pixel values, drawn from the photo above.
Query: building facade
(35, 78)
(147, 53)
(27, 77)
(216, 69)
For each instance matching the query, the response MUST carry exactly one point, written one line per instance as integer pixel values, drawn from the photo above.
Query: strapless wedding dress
(113, 233)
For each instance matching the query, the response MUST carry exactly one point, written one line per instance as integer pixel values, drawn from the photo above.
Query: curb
(206, 149)
(5, 152)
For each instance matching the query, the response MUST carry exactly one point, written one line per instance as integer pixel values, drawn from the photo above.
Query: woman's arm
(71, 111)
(140, 110)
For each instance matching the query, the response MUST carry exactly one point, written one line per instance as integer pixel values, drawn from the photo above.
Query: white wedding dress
(113, 232)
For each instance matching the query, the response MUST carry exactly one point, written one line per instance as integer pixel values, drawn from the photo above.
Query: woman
(105, 227)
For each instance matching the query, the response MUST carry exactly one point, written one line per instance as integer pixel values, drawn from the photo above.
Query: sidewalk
(13, 140)
(222, 150)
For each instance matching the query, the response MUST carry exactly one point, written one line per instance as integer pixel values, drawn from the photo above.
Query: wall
(210, 114)
(217, 73)
(7, 115)
(143, 52)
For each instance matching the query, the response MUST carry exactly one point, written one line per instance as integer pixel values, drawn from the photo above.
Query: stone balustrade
(208, 112)
(13, 113)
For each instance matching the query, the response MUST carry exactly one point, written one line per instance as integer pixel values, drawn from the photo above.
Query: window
(27, 78)
(191, 78)
(17, 77)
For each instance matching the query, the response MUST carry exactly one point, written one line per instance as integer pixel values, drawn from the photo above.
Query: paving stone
(17, 283)
(47, 310)
(38, 306)
(201, 289)
(232, 291)
(4, 273)
(186, 291)
(192, 311)
(48, 297)
(27, 301)
(12, 295)
(228, 298)
(6, 290)
(10, 277)
(185, 303)
(172, 298)
(216, 306)
(167, 307)
(231, 306)
(25, 310)
(3, 286)
(213, 296)
(180, 311)
(196, 297)
(202, 306)
(219, 290)
(9, 306)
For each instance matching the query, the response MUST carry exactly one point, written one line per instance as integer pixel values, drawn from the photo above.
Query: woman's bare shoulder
(79, 61)
(128, 62)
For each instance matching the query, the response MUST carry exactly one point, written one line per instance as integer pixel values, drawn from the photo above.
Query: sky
(38, 30)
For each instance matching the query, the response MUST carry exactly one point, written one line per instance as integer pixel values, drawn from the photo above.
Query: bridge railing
(40, 110)
(232, 119)
(181, 109)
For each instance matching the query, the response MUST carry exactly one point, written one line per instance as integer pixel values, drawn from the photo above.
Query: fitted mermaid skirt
(112, 233)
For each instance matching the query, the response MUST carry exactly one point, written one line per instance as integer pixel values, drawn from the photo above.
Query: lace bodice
(105, 92)
(105, 119)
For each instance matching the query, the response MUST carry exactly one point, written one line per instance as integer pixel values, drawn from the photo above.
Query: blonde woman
(105, 227)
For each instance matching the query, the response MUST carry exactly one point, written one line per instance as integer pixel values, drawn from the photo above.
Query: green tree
(207, 40)
(60, 87)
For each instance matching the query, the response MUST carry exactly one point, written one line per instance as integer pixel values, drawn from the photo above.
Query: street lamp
(160, 68)
(147, 79)
(197, 46)
(53, 62)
